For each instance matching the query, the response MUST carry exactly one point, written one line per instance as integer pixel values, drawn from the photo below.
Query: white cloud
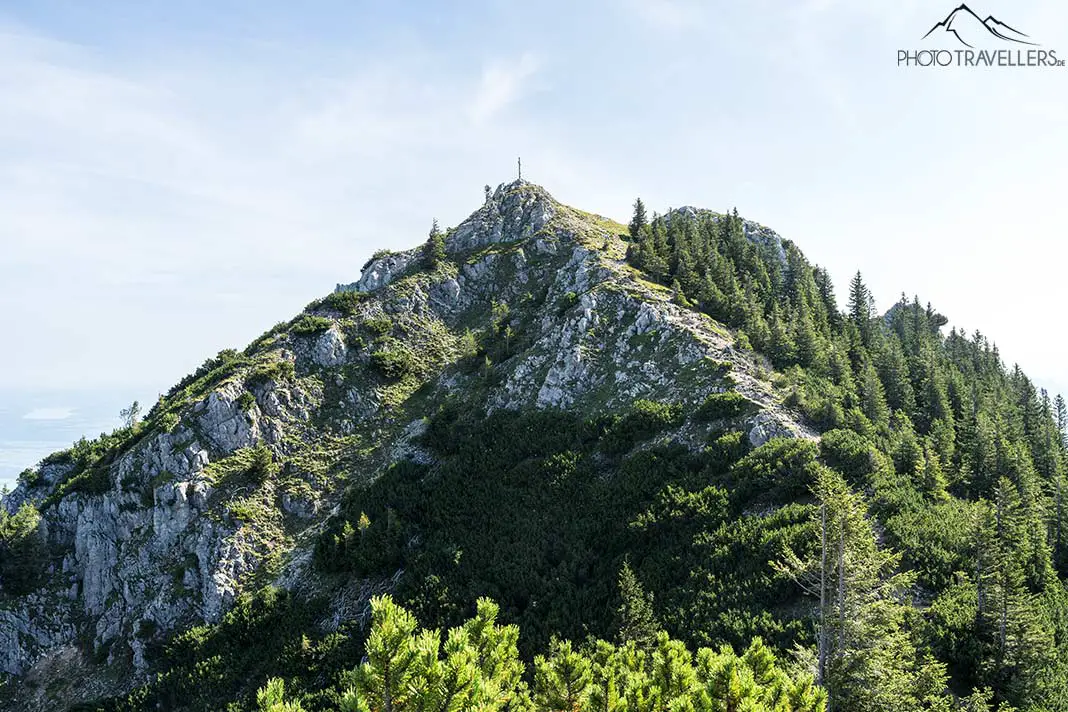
(60, 413)
(175, 195)
(503, 83)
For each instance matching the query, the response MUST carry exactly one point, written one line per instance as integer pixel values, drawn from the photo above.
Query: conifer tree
(866, 658)
(781, 347)
(872, 398)
(638, 221)
(271, 698)
(1061, 417)
(22, 549)
(562, 680)
(434, 249)
(860, 308)
(894, 374)
(637, 621)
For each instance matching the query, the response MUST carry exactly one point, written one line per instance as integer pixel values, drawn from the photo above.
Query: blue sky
(176, 177)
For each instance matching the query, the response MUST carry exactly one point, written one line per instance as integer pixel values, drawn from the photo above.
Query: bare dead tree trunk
(1003, 577)
(1057, 526)
(841, 591)
(822, 666)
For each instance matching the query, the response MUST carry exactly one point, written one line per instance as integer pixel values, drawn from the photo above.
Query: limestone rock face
(229, 485)
(330, 348)
(382, 271)
(515, 212)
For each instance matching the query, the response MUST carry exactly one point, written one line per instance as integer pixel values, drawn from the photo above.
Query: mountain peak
(515, 211)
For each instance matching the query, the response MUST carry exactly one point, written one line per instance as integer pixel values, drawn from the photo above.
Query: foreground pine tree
(477, 667)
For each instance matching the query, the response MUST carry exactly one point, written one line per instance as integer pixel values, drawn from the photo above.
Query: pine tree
(131, 416)
(781, 347)
(407, 670)
(1061, 417)
(638, 221)
(434, 249)
(826, 293)
(934, 481)
(866, 658)
(637, 621)
(810, 351)
(1018, 646)
(561, 681)
(860, 308)
(894, 373)
(23, 549)
(384, 680)
(271, 698)
(872, 398)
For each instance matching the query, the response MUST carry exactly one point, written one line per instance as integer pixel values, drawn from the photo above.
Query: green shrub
(780, 471)
(525, 506)
(727, 449)
(246, 401)
(29, 477)
(90, 462)
(265, 339)
(220, 666)
(393, 363)
(169, 422)
(272, 371)
(378, 254)
(379, 325)
(566, 302)
(210, 373)
(247, 509)
(23, 554)
(729, 404)
(309, 324)
(346, 302)
(263, 465)
(146, 629)
(645, 420)
(247, 466)
(95, 480)
(856, 458)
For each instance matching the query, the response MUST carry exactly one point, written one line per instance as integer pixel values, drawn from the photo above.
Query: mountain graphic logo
(968, 27)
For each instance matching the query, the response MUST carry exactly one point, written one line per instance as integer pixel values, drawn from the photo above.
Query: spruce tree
(860, 307)
(637, 621)
(1061, 416)
(866, 658)
(872, 397)
(638, 221)
(434, 249)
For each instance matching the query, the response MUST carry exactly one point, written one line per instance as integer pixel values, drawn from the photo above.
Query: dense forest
(957, 460)
(911, 558)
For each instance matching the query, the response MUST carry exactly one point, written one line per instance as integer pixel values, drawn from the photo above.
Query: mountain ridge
(161, 532)
(576, 419)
